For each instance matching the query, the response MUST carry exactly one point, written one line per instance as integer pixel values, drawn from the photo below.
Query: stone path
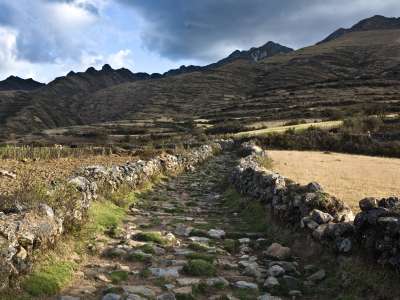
(180, 242)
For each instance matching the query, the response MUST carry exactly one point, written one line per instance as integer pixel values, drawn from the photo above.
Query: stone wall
(329, 220)
(34, 229)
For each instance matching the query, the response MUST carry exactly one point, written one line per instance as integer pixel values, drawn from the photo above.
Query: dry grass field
(349, 177)
(52, 169)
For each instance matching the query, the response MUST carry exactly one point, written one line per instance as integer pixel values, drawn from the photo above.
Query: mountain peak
(258, 53)
(107, 68)
(376, 22)
(17, 83)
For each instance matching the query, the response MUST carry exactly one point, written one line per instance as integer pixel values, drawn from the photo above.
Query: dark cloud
(194, 29)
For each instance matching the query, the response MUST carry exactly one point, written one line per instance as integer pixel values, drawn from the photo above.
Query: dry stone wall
(34, 229)
(329, 220)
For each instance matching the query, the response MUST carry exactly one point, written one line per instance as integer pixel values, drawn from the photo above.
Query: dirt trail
(182, 242)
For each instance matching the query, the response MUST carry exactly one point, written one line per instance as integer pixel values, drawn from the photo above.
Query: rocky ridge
(14, 83)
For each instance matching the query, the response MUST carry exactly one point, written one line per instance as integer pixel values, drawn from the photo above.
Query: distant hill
(376, 22)
(357, 71)
(14, 83)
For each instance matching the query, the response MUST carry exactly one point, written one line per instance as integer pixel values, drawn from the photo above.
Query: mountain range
(352, 69)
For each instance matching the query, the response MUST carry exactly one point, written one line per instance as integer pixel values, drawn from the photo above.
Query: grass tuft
(118, 276)
(199, 267)
(49, 279)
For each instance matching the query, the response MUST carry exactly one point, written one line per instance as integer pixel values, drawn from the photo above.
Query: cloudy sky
(44, 39)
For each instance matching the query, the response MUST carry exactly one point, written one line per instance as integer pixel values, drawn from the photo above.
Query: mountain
(254, 54)
(376, 22)
(14, 83)
(358, 71)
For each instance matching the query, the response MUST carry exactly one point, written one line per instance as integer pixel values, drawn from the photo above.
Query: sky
(44, 39)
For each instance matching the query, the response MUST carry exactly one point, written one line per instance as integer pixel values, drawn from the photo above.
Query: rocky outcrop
(23, 233)
(329, 220)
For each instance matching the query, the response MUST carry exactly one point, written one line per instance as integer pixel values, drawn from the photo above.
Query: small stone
(169, 286)
(199, 239)
(344, 245)
(290, 282)
(268, 297)
(246, 285)
(69, 298)
(276, 271)
(185, 291)
(368, 203)
(314, 187)
(216, 233)
(165, 273)
(166, 296)
(317, 276)
(277, 251)
(139, 290)
(244, 241)
(217, 281)
(320, 217)
(111, 296)
(135, 297)
(187, 281)
(295, 294)
(271, 282)
(4, 173)
(170, 237)
(102, 277)
(183, 230)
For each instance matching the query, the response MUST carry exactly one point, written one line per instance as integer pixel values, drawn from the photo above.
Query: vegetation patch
(118, 276)
(140, 257)
(203, 256)
(199, 267)
(151, 236)
(198, 247)
(49, 279)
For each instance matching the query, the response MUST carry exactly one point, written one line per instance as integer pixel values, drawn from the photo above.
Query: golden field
(349, 177)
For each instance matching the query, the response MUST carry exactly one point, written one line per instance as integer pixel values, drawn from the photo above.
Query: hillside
(356, 71)
(14, 83)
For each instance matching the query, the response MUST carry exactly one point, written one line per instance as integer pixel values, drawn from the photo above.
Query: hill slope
(357, 71)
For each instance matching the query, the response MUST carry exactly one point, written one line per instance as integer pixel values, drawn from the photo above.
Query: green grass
(139, 257)
(151, 236)
(204, 256)
(118, 276)
(147, 248)
(199, 267)
(198, 247)
(325, 124)
(104, 215)
(231, 245)
(49, 279)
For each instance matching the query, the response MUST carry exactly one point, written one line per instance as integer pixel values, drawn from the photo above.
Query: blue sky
(44, 39)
